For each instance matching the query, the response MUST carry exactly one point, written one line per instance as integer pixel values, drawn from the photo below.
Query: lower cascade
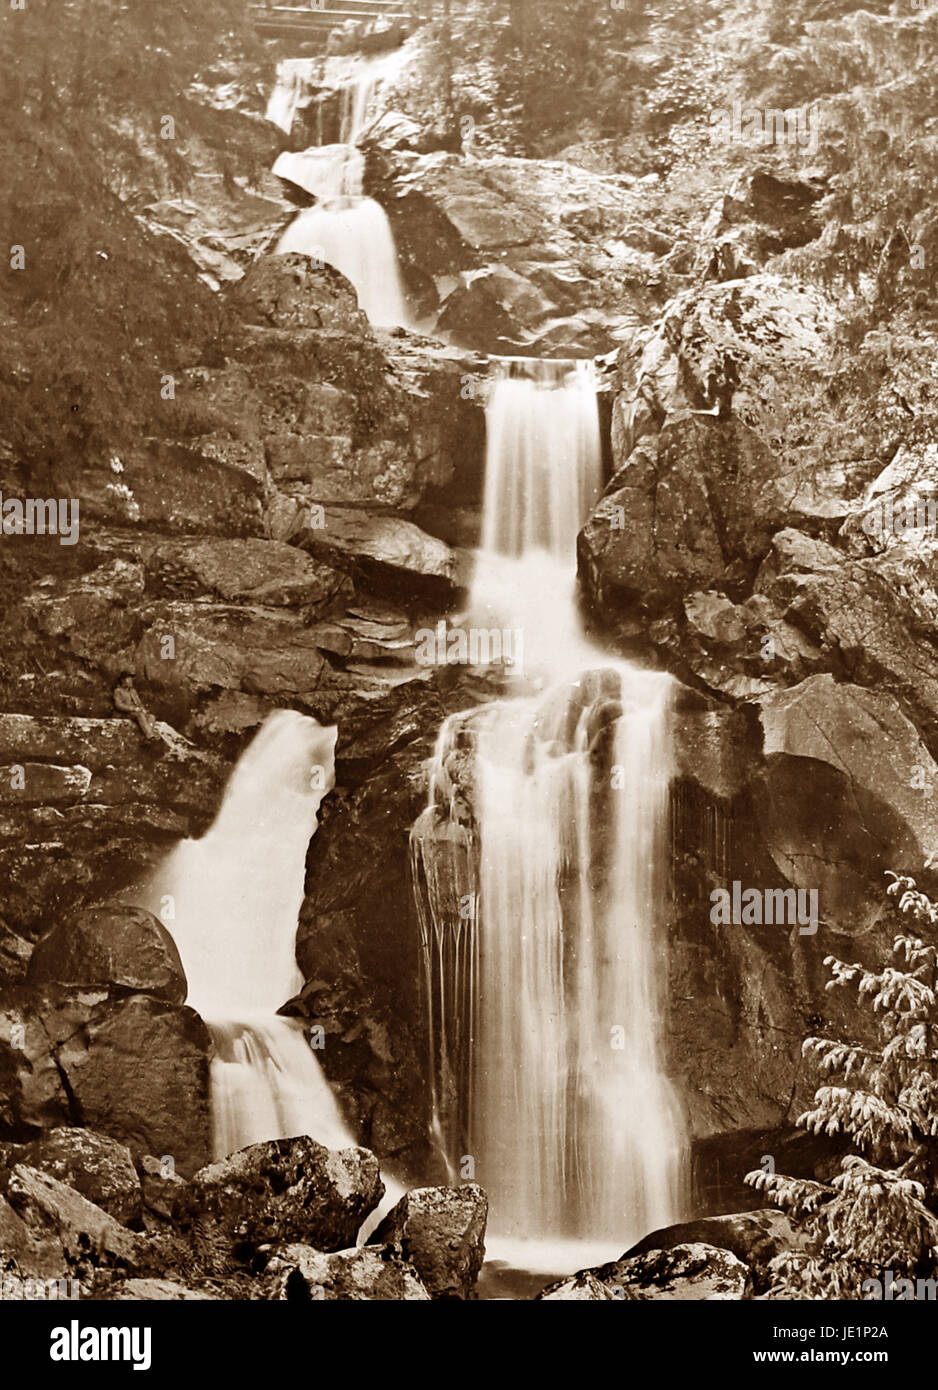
(541, 871)
(230, 901)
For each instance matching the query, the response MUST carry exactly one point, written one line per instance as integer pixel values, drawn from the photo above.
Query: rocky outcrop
(113, 944)
(441, 1231)
(361, 963)
(513, 255)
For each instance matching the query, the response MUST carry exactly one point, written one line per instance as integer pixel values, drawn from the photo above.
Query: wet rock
(111, 944)
(94, 1165)
(361, 967)
(300, 1274)
(285, 1189)
(441, 1231)
(520, 241)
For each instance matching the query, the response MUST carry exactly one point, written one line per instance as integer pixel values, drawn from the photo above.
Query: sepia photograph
(468, 670)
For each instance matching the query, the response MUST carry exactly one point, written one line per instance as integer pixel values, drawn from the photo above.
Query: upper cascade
(345, 229)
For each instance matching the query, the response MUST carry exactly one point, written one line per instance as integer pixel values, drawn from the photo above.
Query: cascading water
(541, 868)
(345, 229)
(231, 901)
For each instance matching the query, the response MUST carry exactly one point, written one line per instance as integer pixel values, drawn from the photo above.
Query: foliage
(877, 1214)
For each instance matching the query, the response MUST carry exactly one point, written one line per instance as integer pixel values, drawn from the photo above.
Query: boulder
(299, 1274)
(94, 1165)
(285, 1189)
(688, 1271)
(133, 1067)
(153, 1291)
(211, 483)
(848, 790)
(749, 345)
(113, 943)
(441, 1232)
(293, 291)
(33, 1253)
(696, 504)
(754, 1237)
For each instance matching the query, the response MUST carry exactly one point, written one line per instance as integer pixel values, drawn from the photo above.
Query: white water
(230, 901)
(345, 229)
(545, 1010)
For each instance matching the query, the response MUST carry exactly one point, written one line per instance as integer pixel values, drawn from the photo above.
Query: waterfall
(345, 229)
(541, 869)
(230, 901)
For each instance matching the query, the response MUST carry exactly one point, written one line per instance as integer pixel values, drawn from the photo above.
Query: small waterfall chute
(231, 901)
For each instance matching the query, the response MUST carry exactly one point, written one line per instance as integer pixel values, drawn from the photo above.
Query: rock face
(285, 1189)
(115, 943)
(441, 1231)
